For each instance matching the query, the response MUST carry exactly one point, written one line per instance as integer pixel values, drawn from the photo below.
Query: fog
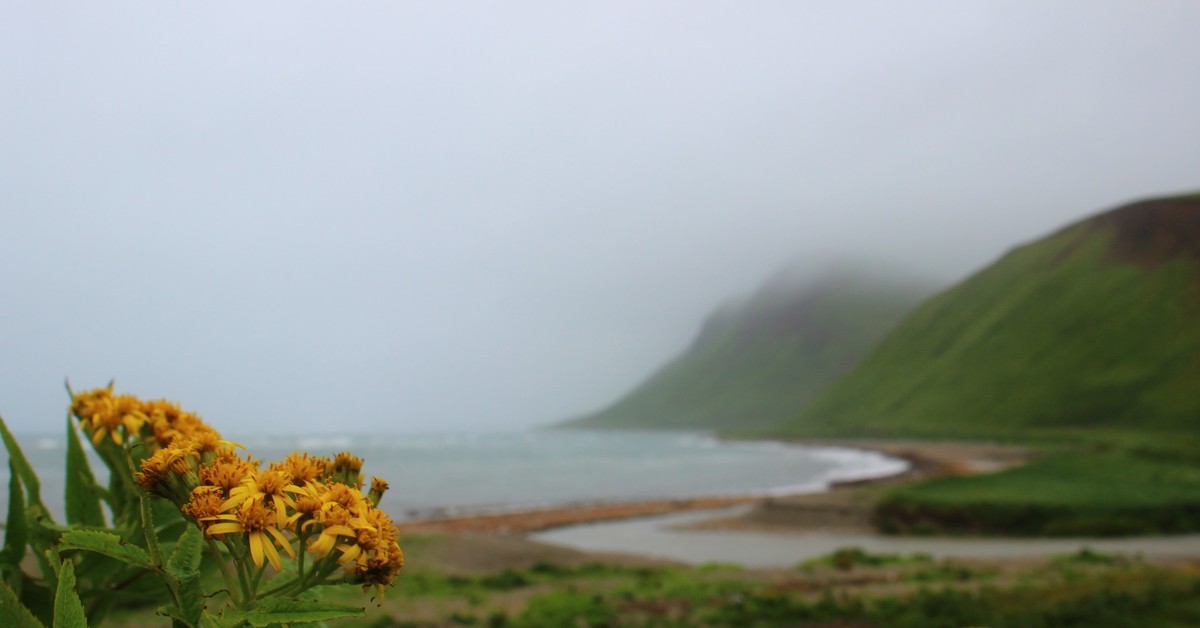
(445, 216)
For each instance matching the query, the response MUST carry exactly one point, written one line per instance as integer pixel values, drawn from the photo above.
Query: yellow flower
(103, 414)
(375, 535)
(227, 472)
(269, 485)
(334, 521)
(378, 487)
(347, 469)
(204, 505)
(208, 441)
(345, 496)
(257, 521)
(303, 467)
(169, 472)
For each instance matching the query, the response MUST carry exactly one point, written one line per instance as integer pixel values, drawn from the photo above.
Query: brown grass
(1155, 232)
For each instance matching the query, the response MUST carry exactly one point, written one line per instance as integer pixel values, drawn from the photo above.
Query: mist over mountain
(757, 359)
(1094, 326)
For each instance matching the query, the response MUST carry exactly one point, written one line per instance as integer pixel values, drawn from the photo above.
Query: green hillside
(1096, 326)
(754, 364)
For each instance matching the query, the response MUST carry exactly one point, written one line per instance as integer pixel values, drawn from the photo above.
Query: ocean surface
(461, 473)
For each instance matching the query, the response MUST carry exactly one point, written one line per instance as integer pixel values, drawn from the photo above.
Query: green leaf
(276, 611)
(191, 603)
(21, 467)
(16, 533)
(12, 612)
(147, 517)
(81, 497)
(185, 560)
(68, 610)
(43, 535)
(184, 566)
(107, 544)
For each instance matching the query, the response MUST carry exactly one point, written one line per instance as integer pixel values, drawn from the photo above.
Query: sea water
(446, 474)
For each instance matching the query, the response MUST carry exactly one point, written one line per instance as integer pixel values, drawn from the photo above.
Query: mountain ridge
(754, 360)
(1091, 326)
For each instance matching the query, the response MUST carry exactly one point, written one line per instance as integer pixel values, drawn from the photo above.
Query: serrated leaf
(16, 533)
(292, 612)
(208, 621)
(191, 596)
(12, 612)
(184, 566)
(185, 559)
(21, 467)
(147, 519)
(173, 613)
(68, 610)
(42, 537)
(81, 498)
(107, 544)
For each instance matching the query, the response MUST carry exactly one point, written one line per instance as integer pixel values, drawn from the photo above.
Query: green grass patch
(847, 558)
(1071, 494)
(1128, 596)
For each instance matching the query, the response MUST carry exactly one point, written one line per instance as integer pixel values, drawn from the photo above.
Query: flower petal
(282, 540)
(256, 548)
(272, 555)
(225, 528)
(349, 553)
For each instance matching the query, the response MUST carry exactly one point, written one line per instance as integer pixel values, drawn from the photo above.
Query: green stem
(300, 560)
(230, 583)
(297, 586)
(283, 588)
(239, 559)
(247, 592)
(257, 577)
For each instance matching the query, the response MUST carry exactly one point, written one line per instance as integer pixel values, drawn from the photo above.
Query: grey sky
(419, 216)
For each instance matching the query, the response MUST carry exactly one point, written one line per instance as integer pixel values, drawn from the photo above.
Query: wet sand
(676, 537)
(526, 521)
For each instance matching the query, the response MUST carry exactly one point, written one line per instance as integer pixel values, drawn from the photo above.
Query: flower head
(103, 414)
(303, 467)
(379, 486)
(268, 485)
(257, 521)
(227, 472)
(347, 469)
(170, 472)
(204, 505)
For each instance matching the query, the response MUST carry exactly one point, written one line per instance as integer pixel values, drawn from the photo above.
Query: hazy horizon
(429, 217)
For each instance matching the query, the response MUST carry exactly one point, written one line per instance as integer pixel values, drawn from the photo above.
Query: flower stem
(230, 583)
(239, 559)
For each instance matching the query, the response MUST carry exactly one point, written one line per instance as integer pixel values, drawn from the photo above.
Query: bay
(455, 473)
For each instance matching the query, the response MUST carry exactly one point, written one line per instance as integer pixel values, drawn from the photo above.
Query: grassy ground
(848, 588)
(1092, 491)
(508, 581)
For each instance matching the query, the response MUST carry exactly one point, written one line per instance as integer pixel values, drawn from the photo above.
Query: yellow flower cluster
(306, 503)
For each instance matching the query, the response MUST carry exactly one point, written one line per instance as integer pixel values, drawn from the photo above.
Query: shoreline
(925, 460)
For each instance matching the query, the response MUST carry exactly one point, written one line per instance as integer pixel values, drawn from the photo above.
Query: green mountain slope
(1096, 326)
(754, 364)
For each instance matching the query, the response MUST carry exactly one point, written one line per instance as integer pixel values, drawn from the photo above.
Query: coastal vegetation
(1083, 343)
(849, 587)
(187, 527)
(1091, 328)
